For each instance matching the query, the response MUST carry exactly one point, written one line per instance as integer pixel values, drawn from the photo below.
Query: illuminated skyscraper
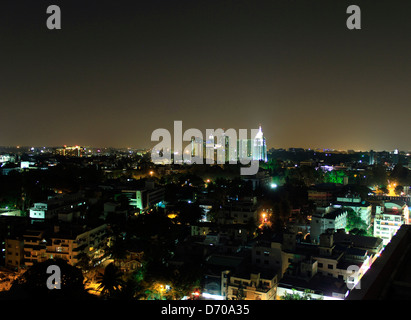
(254, 148)
(259, 147)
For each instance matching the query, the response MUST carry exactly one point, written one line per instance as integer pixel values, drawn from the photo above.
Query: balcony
(57, 252)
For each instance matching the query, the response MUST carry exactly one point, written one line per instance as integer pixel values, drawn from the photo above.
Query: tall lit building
(254, 148)
(218, 149)
(197, 147)
(259, 147)
(219, 146)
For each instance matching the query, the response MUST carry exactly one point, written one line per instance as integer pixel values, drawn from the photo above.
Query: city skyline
(115, 72)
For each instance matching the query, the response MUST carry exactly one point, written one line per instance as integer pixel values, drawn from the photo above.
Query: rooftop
(352, 204)
(357, 240)
(320, 284)
(334, 214)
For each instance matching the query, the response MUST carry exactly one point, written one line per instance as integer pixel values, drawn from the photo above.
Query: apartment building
(68, 246)
(57, 243)
(389, 218)
(14, 253)
(34, 247)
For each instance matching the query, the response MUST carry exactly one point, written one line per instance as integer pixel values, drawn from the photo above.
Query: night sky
(118, 70)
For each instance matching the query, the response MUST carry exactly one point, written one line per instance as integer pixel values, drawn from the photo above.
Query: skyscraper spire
(260, 148)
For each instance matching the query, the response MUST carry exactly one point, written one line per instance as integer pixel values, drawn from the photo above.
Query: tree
(400, 174)
(188, 213)
(335, 176)
(251, 225)
(240, 293)
(384, 189)
(398, 190)
(354, 222)
(377, 176)
(118, 249)
(130, 290)
(83, 261)
(185, 279)
(110, 281)
(32, 284)
(277, 219)
(306, 295)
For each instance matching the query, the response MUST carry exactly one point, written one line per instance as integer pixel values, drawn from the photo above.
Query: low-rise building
(144, 197)
(241, 212)
(219, 267)
(362, 208)
(318, 287)
(131, 262)
(322, 195)
(338, 261)
(373, 245)
(253, 285)
(270, 256)
(61, 207)
(327, 218)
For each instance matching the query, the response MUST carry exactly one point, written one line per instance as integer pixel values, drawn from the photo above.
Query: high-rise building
(259, 147)
(395, 157)
(254, 148)
(371, 160)
(197, 147)
(219, 147)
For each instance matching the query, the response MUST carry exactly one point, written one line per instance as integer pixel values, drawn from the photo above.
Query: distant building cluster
(301, 225)
(221, 149)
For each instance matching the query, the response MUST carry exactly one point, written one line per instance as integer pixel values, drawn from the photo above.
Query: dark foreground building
(389, 278)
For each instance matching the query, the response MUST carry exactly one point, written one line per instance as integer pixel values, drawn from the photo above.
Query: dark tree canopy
(32, 284)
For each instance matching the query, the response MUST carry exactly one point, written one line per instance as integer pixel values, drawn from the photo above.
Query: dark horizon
(118, 70)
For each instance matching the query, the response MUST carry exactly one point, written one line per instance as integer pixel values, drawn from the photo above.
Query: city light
(140, 165)
(209, 296)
